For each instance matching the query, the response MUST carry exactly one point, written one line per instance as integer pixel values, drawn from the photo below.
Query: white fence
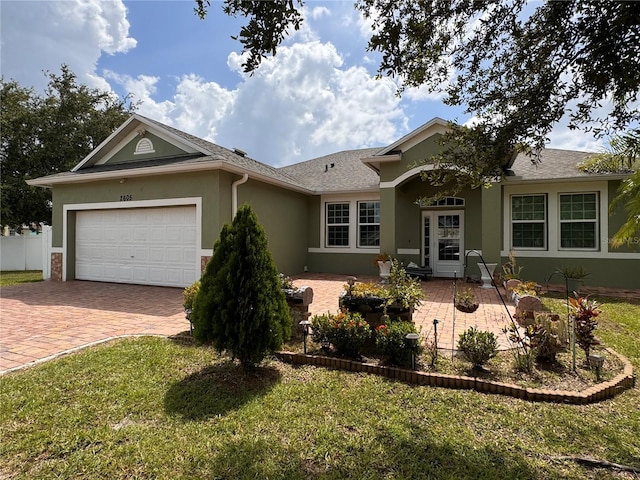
(27, 252)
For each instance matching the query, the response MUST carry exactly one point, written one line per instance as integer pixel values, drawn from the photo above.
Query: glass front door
(443, 242)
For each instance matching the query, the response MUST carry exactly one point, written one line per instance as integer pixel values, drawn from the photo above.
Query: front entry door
(443, 242)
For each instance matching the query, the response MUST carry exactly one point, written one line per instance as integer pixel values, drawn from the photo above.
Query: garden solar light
(596, 361)
(305, 324)
(412, 340)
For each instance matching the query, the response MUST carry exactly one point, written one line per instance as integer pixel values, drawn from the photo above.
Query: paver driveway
(38, 320)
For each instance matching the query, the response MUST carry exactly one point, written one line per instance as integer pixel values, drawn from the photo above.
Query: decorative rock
(303, 295)
(510, 284)
(528, 303)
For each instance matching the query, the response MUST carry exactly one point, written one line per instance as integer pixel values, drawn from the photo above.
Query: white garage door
(148, 246)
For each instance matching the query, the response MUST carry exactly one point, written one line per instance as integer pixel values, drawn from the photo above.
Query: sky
(318, 95)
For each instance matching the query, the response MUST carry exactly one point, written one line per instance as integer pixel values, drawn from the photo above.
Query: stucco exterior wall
(284, 215)
(214, 191)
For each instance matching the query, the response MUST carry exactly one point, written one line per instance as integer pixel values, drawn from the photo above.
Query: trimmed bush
(392, 344)
(479, 347)
(346, 332)
(241, 307)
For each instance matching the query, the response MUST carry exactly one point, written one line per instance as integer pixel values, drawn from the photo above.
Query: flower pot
(486, 274)
(574, 285)
(467, 308)
(385, 270)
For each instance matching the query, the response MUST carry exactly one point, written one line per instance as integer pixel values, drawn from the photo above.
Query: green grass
(155, 408)
(15, 278)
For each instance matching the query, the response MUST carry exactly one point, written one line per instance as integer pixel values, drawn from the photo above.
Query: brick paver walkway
(490, 316)
(41, 320)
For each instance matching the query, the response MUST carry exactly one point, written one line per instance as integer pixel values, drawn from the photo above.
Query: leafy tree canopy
(517, 66)
(47, 134)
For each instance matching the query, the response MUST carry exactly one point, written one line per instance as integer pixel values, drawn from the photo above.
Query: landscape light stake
(412, 340)
(435, 340)
(453, 328)
(596, 361)
(305, 324)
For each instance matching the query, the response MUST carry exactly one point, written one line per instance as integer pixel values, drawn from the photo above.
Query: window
(578, 220)
(450, 202)
(337, 224)
(528, 221)
(368, 224)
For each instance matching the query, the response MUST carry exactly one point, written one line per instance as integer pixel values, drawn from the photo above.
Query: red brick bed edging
(599, 392)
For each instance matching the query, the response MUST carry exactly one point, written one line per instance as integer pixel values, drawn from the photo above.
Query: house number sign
(126, 198)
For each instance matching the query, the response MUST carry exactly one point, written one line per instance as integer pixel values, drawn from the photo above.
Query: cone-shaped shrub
(241, 307)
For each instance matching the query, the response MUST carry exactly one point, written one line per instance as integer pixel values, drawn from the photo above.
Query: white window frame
(595, 221)
(329, 225)
(366, 224)
(552, 189)
(519, 222)
(352, 199)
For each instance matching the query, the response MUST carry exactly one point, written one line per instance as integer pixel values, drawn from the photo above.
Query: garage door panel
(154, 246)
(187, 254)
(156, 254)
(140, 254)
(173, 255)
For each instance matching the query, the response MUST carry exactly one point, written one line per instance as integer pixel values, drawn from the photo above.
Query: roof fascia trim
(411, 137)
(407, 175)
(93, 152)
(164, 170)
(520, 180)
(153, 129)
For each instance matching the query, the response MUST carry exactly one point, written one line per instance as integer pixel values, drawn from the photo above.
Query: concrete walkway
(39, 321)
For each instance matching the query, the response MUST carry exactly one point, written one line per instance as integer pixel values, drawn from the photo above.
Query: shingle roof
(554, 165)
(227, 155)
(342, 171)
(338, 172)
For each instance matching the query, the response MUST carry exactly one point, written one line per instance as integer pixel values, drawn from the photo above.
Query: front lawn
(14, 278)
(156, 408)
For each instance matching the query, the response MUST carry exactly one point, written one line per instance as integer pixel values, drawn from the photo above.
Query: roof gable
(124, 144)
(434, 126)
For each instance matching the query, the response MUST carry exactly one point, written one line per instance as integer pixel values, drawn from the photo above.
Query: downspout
(234, 194)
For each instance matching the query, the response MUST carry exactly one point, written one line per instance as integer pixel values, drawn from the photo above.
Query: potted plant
(404, 292)
(383, 262)
(399, 296)
(465, 300)
(574, 277)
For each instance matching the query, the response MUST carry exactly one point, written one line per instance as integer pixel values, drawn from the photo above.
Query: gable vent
(143, 146)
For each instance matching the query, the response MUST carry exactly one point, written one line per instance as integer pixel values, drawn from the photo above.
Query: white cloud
(310, 106)
(562, 137)
(39, 36)
(319, 12)
(197, 105)
(298, 105)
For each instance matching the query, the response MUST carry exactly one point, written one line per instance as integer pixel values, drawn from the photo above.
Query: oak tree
(47, 134)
